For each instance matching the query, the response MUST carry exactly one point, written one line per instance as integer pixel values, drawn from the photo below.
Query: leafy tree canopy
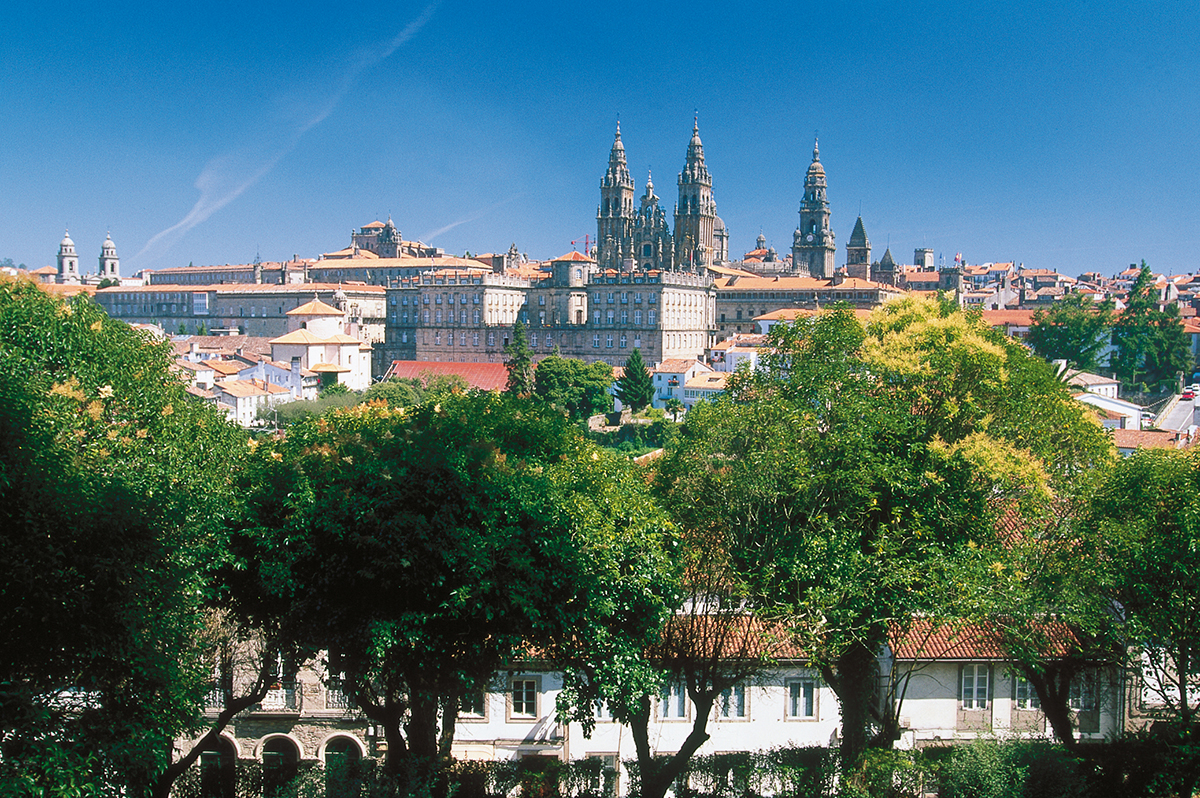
(478, 525)
(577, 387)
(861, 464)
(113, 488)
(1151, 345)
(1075, 329)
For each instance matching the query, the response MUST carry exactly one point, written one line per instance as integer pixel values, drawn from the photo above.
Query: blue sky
(1062, 135)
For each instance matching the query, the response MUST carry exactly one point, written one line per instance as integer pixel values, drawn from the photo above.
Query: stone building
(812, 243)
(740, 299)
(259, 310)
(576, 309)
(629, 237)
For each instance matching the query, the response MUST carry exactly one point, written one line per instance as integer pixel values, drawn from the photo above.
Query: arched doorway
(343, 760)
(218, 769)
(280, 762)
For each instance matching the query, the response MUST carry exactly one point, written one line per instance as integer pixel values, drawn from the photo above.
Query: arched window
(343, 767)
(218, 775)
(280, 759)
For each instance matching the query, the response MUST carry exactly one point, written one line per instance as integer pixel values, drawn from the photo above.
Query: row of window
(611, 297)
(975, 690)
(523, 702)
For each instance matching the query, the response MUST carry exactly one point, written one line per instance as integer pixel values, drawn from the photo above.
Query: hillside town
(639, 510)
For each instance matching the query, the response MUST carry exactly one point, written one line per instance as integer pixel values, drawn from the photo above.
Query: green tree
(113, 489)
(476, 525)
(334, 389)
(396, 392)
(519, 362)
(674, 407)
(580, 388)
(707, 652)
(1148, 540)
(1151, 345)
(635, 388)
(1075, 329)
(860, 466)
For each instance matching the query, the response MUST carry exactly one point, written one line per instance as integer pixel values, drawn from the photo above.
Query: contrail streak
(222, 181)
(428, 237)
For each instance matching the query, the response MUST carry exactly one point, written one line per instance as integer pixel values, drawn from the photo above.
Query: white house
(1093, 383)
(317, 338)
(735, 350)
(1114, 413)
(669, 378)
(704, 387)
(242, 399)
(957, 684)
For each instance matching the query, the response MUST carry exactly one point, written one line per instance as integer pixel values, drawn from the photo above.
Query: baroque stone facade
(578, 310)
(629, 237)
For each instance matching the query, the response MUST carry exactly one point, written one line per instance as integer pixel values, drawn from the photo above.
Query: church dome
(66, 242)
(108, 245)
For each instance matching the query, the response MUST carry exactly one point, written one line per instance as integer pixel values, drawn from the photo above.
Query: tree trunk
(1053, 688)
(856, 690)
(162, 785)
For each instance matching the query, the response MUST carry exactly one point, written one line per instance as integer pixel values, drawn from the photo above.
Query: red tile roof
(574, 256)
(927, 639)
(485, 376)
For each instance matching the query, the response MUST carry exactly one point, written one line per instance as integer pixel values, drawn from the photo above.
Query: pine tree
(634, 389)
(519, 362)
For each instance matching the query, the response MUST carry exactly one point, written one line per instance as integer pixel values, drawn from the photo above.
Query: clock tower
(812, 244)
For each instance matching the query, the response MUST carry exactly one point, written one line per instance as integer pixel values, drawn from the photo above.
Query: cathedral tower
(68, 261)
(110, 264)
(652, 244)
(615, 216)
(696, 212)
(812, 245)
(858, 253)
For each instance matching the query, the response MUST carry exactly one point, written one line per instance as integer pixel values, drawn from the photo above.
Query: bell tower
(110, 264)
(812, 244)
(615, 216)
(696, 211)
(68, 260)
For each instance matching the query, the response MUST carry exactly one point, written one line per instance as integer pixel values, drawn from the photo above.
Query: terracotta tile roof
(926, 639)
(485, 376)
(201, 393)
(1146, 439)
(709, 380)
(304, 336)
(791, 314)
(998, 318)
(329, 368)
(44, 270)
(373, 225)
(190, 366)
(252, 346)
(315, 308)
(244, 388)
(574, 257)
(225, 367)
(348, 253)
(674, 366)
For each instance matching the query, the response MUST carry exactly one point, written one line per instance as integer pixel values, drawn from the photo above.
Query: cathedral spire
(816, 151)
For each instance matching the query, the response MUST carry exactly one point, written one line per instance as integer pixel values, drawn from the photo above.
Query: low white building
(318, 341)
(243, 399)
(957, 684)
(704, 387)
(669, 378)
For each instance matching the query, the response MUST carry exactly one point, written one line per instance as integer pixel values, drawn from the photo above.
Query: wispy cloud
(227, 177)
(428, 237)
